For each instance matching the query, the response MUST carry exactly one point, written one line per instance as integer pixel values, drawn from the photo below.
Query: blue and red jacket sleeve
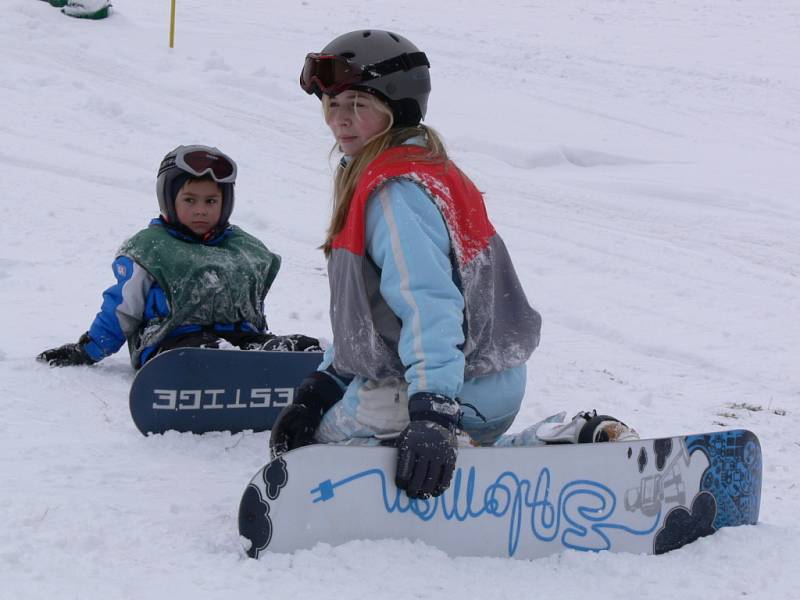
(407, 239)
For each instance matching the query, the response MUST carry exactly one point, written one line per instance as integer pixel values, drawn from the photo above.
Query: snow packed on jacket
(170, 283)
(424, 298)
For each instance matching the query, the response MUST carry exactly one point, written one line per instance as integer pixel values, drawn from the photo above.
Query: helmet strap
(404, 62)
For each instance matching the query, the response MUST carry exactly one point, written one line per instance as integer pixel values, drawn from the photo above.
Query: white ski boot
(583, 428)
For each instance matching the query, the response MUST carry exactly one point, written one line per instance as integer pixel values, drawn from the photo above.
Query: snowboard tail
(204, 389)
(645, 496)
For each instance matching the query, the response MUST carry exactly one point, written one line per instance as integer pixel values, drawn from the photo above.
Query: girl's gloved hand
(297, 422)
(426, 450)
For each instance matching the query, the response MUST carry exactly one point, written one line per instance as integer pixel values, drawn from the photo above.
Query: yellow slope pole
(172, 26)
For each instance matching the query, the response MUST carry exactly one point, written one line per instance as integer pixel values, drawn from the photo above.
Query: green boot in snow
(86, 9)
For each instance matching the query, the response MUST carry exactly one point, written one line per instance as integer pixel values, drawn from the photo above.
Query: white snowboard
(647, 496)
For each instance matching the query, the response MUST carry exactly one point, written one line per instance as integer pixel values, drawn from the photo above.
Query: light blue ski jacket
(407, 240)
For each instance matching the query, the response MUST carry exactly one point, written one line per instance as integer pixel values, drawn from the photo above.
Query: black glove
(426, 450)
(296, 342)
(68, 355)
(297, 422)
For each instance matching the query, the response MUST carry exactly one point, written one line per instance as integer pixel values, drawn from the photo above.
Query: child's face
(199, 205)
(354, 119)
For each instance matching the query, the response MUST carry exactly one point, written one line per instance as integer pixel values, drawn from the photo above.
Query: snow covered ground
(639, 158)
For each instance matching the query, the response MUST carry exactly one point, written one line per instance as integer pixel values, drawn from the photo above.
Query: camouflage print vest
(204, 284)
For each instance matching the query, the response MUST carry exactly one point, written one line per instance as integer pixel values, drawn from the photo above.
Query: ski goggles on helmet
(332, 74)
(203, 160)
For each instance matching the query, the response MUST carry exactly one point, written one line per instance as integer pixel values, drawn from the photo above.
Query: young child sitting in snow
(431, 325)
(188, 279)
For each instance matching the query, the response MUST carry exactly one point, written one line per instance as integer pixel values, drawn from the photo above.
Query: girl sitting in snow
(188, 279)
(431, 326)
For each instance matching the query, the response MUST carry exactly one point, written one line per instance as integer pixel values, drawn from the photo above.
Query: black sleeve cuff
(424, 406)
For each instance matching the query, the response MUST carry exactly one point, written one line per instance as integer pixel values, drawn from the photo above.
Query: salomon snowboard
(201, 389)
(646, 496)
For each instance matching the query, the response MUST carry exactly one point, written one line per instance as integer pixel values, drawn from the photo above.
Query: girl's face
(199, 205)
(355, 118)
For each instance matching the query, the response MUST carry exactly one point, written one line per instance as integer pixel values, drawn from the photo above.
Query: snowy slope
(639, 159)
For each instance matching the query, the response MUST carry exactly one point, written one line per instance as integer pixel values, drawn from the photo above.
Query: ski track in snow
(639, 160)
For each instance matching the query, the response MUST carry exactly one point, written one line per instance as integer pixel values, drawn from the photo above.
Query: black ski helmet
(405, 90)
(171, 178)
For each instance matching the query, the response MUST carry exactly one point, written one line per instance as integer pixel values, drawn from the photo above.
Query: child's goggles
(202, 160)
(331, 74)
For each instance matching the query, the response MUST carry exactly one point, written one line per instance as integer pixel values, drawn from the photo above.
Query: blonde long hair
(348, 175)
